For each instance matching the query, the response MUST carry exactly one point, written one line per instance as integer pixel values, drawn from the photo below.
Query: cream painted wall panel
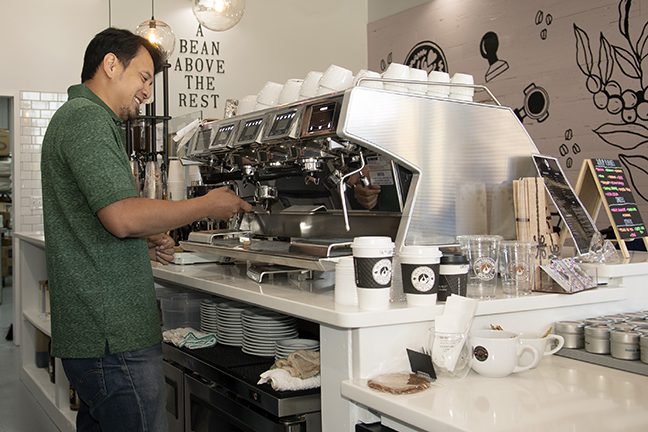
(457, 26)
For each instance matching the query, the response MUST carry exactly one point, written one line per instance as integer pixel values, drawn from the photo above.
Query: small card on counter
(421, 364)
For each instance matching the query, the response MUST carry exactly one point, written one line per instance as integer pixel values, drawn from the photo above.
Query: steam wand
(343, 188)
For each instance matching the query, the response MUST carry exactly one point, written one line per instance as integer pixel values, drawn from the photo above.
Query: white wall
(276, 40)
(379, 9)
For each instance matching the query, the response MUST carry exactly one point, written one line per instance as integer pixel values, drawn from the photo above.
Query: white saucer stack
(208, 316)
(285, 347)
(230, 328)
(262, 328)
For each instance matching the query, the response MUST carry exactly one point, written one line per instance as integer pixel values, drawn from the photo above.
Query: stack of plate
(208, 316)
(262, 328)
(230, 329)
(285, 347)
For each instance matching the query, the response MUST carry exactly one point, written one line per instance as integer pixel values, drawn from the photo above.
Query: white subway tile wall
(36, 110)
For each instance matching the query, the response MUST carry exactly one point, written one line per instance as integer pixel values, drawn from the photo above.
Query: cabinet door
(174, 379)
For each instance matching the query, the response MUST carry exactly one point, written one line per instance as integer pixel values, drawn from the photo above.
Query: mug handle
(560, 341)
(520, 350)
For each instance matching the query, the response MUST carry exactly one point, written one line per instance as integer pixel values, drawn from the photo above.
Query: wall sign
(199, 63)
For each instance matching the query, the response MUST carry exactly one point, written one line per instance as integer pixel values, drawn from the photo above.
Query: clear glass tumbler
(517, 267)
(483, 255)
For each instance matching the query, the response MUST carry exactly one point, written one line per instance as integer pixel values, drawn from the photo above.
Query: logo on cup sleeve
(423, 279)
(382, 271)
(480, 353)
(485, 268)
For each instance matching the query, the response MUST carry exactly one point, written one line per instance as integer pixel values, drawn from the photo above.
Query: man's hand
(225, 203)
(367, 197)
(161, 248)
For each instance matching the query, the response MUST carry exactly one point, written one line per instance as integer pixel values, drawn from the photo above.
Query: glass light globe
(159, 34)
(218, 15)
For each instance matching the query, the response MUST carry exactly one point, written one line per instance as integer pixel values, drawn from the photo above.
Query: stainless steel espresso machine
(444, 168)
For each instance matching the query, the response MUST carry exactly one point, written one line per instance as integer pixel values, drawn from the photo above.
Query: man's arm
(142, 217)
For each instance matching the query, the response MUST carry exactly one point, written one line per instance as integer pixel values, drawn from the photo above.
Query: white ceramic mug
(418, 75)
(498, 354)
(545, 346)
(310, 85)
(290, 91)
(396, 71)
(438, 90)
(269, 94)
(363, 73)
(336, 78)
(246, 104)
(462, 93)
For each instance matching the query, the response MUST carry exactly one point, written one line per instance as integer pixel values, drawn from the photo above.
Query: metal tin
(636, 315)
(598, 321)
(638, 323)
(624, 344)
(643, 343)
(597, 339)
(572, 331)
(613, 318)
(624, 326)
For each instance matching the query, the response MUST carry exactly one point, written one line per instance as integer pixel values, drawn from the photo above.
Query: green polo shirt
(101, 287)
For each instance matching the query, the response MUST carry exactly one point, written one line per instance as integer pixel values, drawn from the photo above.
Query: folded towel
(189, 337)
(281, 380)
(300, 364)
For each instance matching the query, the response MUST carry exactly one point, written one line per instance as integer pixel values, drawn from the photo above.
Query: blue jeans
(120, 392)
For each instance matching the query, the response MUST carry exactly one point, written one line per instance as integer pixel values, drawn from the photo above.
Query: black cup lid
(454, 259)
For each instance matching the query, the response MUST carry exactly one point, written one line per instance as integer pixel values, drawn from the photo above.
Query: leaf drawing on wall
(642, 42)
(606, 62)
(626, 61)
(637, 169)
(624, 11)
(624, 136)
(583, 51)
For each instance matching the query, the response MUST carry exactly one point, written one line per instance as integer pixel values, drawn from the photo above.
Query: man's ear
(110, 64)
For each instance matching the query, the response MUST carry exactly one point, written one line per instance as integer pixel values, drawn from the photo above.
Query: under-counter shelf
(38, 321)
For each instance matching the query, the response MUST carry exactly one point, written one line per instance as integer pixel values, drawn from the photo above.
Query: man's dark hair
(123, 44)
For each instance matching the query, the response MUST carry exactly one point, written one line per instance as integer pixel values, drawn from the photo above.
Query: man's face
(133, 84)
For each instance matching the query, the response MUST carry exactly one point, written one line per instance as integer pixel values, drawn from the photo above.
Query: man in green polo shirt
(105, 325)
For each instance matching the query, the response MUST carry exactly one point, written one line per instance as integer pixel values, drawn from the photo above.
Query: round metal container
(572, 331)
(638, 324)
(598, 321)
(614, 318)
(597, 339)
(636, 315)
(624, 344)
(623, 327)
(643, 345)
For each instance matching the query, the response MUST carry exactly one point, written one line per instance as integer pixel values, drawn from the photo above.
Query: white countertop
(560, 395)
(317, 303)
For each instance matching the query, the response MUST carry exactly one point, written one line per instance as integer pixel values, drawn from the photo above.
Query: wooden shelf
(38, 383)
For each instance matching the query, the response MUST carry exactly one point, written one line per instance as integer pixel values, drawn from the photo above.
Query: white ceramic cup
(269, 94)
(545, 346)
(373, 298)
(498, 354)
(417, 75)
(420, 273)
(336, 78)
(438, 90)
(310, 85)
(246, 104)
(364, 73)
(261, 106)
(290, 91)
(396, 71)
(345, 292)
(462, 93)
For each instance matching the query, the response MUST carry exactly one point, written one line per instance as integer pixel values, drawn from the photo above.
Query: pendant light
(218, 15)
(158, 33)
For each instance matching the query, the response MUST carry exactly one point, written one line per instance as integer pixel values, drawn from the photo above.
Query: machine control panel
(283, 125)
(249, 131)
(223, 136)
(321, 118)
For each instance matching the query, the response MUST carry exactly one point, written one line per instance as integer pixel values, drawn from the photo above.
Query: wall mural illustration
(536, 104)
(626, 106)
(488, 49)
(575, 73)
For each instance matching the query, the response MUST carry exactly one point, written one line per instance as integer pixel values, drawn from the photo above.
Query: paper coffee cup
(420, 272)
(372, 259)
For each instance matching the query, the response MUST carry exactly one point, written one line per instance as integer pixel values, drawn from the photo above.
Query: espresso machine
(444, 168)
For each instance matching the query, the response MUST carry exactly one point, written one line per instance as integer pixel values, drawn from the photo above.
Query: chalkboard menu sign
(619, 200)
(573, 213)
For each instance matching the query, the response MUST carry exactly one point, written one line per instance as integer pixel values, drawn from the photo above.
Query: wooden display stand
(602, 182)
